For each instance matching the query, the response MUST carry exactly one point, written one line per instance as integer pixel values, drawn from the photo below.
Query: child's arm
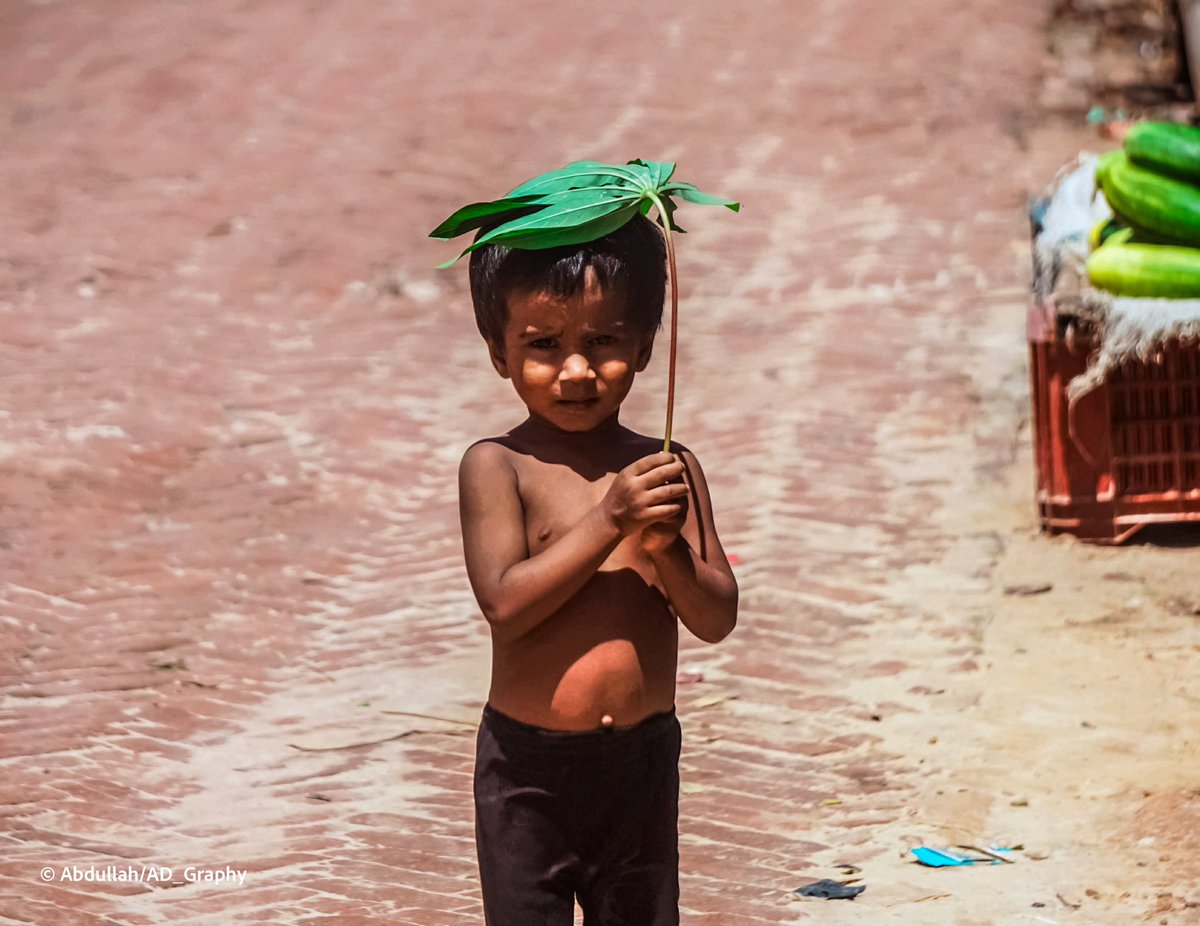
(693, 568)
(517, 591)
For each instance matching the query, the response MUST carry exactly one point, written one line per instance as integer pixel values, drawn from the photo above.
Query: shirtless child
(585, 545)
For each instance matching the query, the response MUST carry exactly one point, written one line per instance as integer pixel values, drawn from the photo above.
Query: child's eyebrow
(604, 326)
(532, 332)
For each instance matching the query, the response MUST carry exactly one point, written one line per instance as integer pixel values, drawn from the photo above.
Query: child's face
(573, 360)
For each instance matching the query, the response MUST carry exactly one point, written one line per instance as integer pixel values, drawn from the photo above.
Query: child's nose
(576, 369)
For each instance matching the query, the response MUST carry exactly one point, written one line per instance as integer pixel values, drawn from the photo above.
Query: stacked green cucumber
(1151, 246)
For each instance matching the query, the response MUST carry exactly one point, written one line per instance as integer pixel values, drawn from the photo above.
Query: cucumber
(1104, 162)
(1107, 230)
(1146, 270)
(1143, 235)
(1119, 235)
(1150, 201)
(1165, 148)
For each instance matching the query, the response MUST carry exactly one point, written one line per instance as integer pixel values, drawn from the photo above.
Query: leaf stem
(671, 280)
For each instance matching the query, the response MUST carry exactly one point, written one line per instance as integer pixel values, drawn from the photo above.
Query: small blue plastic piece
(941, 858)
(948, 858)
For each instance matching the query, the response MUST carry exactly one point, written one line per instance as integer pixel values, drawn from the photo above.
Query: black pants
(592, 815)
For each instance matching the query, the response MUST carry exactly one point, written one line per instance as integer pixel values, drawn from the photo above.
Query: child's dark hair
(632, 261)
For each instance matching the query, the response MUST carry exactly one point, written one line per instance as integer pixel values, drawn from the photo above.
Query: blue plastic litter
(949, 858)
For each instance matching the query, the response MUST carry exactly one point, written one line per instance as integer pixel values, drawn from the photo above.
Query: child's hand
(658, 537)
(646, 492)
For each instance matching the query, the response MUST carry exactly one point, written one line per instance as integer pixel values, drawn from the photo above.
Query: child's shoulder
(488, 470)
(489, 452)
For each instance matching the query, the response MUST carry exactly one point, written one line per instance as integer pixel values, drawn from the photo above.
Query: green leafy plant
(581, 202)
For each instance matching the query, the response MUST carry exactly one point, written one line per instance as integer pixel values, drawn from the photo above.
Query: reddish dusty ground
(236, 631)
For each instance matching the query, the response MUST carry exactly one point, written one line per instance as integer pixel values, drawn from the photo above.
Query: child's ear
(499, 360)
(645, 349)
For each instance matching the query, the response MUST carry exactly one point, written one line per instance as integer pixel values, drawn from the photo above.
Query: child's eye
(542, 343)
(604, 340)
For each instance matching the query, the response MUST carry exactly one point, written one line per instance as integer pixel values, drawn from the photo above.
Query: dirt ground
(235, 630)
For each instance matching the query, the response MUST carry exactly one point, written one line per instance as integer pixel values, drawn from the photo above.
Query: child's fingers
(670, 507)
(656, 499)
(664, 516)
(672, 521)
(672, 491)
(669, 472)
(650, 462)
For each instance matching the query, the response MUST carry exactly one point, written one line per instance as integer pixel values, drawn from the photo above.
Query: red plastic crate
(1128, 453)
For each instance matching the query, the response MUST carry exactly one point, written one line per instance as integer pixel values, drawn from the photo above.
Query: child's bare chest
(555, 499)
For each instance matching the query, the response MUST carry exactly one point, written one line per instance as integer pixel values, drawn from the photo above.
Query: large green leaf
(688, 192)
(476, 215)
(577, 203)
(565, 210)
(660, 171)
(541, 238)
(577, 175)
(570, 217)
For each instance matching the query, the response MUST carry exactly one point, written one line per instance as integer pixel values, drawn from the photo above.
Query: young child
(584, 544)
